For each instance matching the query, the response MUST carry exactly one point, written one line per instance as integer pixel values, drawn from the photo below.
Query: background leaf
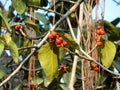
(61, 53)
(3, 71)
(41, 17)
(108, 53)
(48, 59)
(69, 39)
(4, 22)
(1, 47)
(112, 31)
(115, 21)
(6, 38)
(19, 6)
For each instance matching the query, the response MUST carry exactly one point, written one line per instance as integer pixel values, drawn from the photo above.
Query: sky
(112, 9)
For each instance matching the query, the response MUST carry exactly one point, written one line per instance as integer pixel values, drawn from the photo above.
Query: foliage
(108, 53)
(41, 70)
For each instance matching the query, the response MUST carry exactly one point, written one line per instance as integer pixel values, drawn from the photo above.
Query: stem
(71, 29)
(71, 84)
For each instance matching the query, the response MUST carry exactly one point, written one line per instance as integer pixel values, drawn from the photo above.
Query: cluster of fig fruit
(57, 39)
(95, 67)
(99, 31)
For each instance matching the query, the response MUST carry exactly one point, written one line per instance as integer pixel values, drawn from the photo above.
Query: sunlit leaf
(13, 50)
(3, 71)
(4, 22)
(1, 47)
(6, 38)
(69, 39)
(38, 80)
(66, 77)
(108, 53)
(35, 2)
(48, 59)
(64, 86)
(11, 46)
(19, 6)
(46, 82)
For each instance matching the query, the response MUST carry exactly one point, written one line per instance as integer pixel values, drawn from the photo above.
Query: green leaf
(43, 3)
(11, 46)
(69, 39)
(38, 80)
(64, 86)
(6, 38)
(4, 22)
(48, 59)
(35, 2)
(116, 63)
(17, 87)
(19, 6)
(66, 80)
(108, 53)
(116, 21)
(66, 77)
(112, 31)
(62, 52)
(31, 24)
(13, 50)
(3, 71)
(1, 47)
(41, 17)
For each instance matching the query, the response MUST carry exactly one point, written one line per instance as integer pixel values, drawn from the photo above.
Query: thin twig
(49, 10)
(28, 37)
(71, 84)
(36, 69)
(70, 27)
(92, 49)
(27, 47)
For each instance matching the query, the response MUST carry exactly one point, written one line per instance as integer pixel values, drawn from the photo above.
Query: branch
(118, 3)
(60, 20)
(28, 37)
(17, 69)
(27, 47)
(71, 84)
(91, 60)
(49, 10)
(42, 41)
